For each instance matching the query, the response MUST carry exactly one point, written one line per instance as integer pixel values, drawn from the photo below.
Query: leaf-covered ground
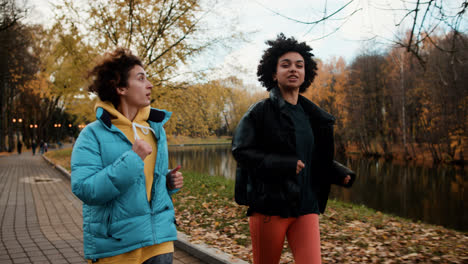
(206, 211)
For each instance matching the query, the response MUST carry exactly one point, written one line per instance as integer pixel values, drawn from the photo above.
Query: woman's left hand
(346, 179)
(175, 180)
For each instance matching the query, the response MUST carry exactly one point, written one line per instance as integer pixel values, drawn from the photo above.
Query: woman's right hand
(300, 166)
(142, 148)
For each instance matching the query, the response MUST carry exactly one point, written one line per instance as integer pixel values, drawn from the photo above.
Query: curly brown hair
(278, 47)
(112, 72)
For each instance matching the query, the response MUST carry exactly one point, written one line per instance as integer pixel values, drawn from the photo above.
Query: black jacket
(264, 146)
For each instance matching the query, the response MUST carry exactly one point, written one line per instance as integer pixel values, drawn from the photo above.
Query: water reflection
(433, 195)
(215, 160)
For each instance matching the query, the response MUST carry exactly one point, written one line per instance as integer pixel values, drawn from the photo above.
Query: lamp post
(33, 128)
(33, 142)
(70, 133)
(16, 123)
(58, 132)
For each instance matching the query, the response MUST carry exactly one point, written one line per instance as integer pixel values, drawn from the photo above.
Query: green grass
(209, 186)
(60, 157)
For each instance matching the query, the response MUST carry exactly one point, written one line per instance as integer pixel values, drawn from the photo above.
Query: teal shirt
(305, 150)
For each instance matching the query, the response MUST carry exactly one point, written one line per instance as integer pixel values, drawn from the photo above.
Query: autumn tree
(40, 92)
(403, 71)
(206, 109)
(67, 60)
(198, 110)
(18, 67)
(368, 103)
(165, 34)
(429, 101)
(239, 97)
(328, 91)
(384, 101)
(445, 120)
(10, 14)
(12, 44)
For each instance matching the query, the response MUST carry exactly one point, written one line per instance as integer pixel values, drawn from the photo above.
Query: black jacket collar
(311, 109)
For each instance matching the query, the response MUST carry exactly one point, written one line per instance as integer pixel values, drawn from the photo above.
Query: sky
(376, 19)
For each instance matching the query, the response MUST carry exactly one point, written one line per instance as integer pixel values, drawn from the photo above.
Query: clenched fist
(174, 179)
(142, 148)
(300, 165)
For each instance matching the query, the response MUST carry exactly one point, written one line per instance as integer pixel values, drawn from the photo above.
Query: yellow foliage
(328, 88)
(202, 110)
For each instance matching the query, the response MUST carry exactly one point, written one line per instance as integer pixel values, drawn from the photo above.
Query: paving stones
(40, 218)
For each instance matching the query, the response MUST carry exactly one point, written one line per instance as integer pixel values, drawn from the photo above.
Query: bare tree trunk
(403, 106)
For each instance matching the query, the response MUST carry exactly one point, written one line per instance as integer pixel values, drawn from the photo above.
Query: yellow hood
(121, 121)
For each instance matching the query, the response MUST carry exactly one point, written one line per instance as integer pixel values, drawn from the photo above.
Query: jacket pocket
(269, 196)
(241, 186)
(108, 219)
(103, 228)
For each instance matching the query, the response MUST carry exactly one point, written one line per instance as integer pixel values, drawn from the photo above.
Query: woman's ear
(121, 90)
(274, 77)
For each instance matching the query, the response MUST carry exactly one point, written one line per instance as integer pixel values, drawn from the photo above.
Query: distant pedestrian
(46, 147)
(19, 146)
(284, 151)
(119, 169)
(41, 147)
(33, 147)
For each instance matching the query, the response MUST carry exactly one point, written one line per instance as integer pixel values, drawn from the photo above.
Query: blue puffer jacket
(107, 175)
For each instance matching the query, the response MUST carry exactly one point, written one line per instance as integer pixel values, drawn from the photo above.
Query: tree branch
(311, 22)
(414, 25)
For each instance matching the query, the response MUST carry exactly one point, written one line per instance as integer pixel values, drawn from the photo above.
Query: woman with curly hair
(284, 151)
(120, 171)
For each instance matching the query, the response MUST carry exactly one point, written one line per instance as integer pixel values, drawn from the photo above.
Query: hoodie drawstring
(145, 130)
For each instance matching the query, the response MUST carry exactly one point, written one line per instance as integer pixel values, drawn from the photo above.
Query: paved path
(40, 218)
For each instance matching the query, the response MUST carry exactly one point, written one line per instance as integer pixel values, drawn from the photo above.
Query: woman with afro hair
(284, 150)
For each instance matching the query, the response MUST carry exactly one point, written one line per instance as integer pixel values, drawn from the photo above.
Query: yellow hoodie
(143, 131)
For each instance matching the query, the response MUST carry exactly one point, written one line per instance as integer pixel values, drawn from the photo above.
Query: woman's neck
(127, 111)
(290, 95)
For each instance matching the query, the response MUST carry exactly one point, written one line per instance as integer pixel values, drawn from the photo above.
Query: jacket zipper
(150, 203)
(155, 179)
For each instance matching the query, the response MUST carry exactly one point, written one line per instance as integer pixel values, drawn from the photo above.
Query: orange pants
(268, 233)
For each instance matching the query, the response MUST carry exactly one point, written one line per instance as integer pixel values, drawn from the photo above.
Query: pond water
(434, 195)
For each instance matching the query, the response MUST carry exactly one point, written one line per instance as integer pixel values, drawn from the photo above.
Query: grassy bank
(179, 140)
(205, 210)
(60, 157)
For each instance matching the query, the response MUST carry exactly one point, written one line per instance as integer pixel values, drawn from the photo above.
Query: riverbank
(416, 154)
(350, 234)
(184, 140)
